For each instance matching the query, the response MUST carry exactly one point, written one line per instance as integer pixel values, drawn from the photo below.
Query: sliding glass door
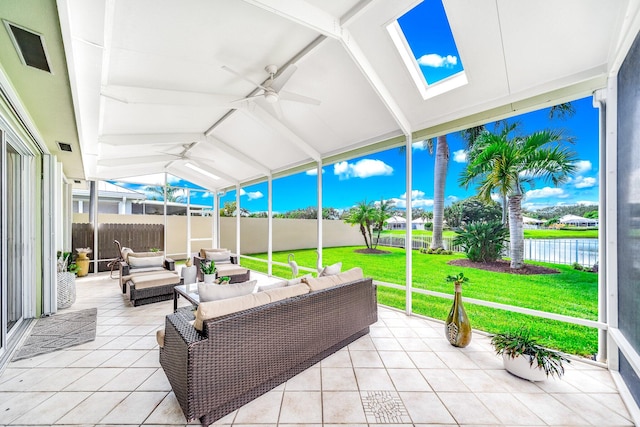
(13, 200)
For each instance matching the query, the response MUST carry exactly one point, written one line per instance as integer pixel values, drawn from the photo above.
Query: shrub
(483, 241)
(577, 266)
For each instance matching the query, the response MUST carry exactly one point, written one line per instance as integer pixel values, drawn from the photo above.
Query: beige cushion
(207, 292)
(280, 284)
(278, 294)
(219, 257)
(145, 262)
(157, 279)
(230, 270)
(203, 252)
(160, 337)
(325, 282)
(212, 309)
(332, 269)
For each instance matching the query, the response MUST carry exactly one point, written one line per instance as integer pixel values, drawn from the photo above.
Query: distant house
(419, 224)
(396, 223)
(578, 221)
(532, 222)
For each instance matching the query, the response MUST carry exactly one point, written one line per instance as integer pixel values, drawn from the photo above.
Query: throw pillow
(297, 280)
(280, 284)
(319, 283)
(212, 309)
(209, 292)
(287, 292)
(219, 257)
(330, 270)
(145, 261)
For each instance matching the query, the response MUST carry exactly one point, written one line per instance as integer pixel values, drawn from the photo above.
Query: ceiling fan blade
(290, 96)
(283, 77)
(237, 74)
(131, 161)
(141, 95)
(277, 109)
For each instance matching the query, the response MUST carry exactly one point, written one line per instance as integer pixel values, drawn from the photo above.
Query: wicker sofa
(242, 355)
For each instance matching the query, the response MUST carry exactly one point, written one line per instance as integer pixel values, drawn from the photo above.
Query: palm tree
(174, 194)
(383, 212)
(499, 162)
(439, 180)
(363, 215)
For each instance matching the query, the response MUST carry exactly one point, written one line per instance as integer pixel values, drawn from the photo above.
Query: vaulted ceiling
(158, 85)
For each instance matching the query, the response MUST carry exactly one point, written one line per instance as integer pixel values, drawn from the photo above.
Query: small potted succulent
(208, 269)
(525, 358)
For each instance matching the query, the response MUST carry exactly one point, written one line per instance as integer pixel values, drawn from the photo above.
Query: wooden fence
(139, 237)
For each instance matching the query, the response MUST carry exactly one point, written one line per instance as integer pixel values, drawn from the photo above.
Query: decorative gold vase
(457, 326)
(83, 264)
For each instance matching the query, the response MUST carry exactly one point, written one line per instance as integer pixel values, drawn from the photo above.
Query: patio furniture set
(241, 341)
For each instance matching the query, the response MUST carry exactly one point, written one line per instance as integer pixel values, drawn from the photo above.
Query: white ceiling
(165, 59)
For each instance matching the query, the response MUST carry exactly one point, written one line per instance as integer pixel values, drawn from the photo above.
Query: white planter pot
(519, 366)
(209, 278)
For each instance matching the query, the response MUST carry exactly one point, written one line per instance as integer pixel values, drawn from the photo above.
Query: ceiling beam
(318, 20)
(271, 122)
(151, 138)
(223, 146)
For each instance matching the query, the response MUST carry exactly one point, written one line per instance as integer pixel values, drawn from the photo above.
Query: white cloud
(419, 145)
(496, 197)
(207, 194)
(436, 61)
(460, 156)
(452, 199)
(242, 192)
(415, 194)
(583, 166)
(545, 192)
(584, 182)
(587, 203)
(417, 200)
(364, 168)
(313, 172)
(252, 195)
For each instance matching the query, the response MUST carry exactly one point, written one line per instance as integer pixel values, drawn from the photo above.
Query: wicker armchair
(243, 355)
(230, 268)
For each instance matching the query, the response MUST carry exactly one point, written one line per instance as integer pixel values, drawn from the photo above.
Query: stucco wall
(287, 233)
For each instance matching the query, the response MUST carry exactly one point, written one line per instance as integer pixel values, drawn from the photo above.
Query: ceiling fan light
(271, 97)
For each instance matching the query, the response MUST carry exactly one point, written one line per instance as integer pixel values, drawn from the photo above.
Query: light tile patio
(404, 366)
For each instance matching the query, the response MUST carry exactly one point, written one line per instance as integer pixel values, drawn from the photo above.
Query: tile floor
(403, 373)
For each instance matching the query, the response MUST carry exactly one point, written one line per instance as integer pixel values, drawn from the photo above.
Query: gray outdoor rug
(59, 331)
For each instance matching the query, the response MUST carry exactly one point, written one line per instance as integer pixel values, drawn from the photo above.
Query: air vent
(64, 146)
(30, 47)
(77, 181)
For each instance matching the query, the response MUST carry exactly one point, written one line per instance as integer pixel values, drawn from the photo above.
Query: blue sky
(382, 175)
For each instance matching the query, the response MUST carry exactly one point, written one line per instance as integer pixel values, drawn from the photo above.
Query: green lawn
(528, 233)
(571, 292)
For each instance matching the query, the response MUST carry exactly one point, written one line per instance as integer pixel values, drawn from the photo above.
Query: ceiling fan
(272, 89)
(157, 158)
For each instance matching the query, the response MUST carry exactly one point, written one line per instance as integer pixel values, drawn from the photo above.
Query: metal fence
(556, 251)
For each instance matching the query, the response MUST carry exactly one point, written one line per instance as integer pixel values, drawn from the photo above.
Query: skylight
(425, 42)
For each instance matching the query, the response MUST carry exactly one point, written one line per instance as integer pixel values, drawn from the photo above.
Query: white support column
(270, 225)
(96, 223)
(599, 101)
(409, 231)
(215, 229)
(319, 213)
(164, 216)
(238, 222)
(611, 206)
(188, 223)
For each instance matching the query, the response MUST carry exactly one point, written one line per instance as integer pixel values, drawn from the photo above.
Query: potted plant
(457, 326)
(525, 358)
(208, 269)
(66, 280)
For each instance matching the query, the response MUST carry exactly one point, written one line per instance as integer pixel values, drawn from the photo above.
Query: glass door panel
(14, 206)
